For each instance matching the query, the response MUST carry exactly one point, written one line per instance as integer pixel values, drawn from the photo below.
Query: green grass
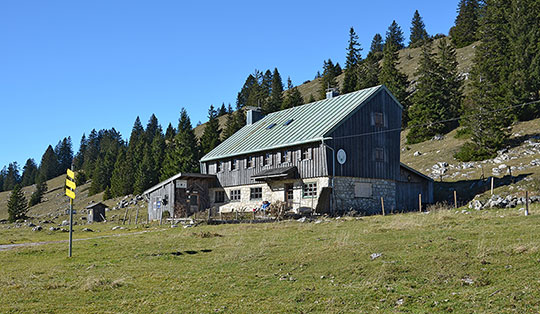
(427, 261)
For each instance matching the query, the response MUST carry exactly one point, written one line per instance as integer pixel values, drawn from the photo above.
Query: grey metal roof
(310, 123)
(178, 176)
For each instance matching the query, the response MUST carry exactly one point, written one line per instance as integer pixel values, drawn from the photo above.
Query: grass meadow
(444, 261)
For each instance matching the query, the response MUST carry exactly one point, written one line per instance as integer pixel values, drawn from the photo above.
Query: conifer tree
(91, 153)
(48, 168)
(276, 94)
(465, 30)
(78, 161)
(17, 205)
(293, 98)
(158, 147)
(30, 171)
(143, 178)
(485, 107)
(452, 82)
(266, 84)
(170, 134)
(37, 195)
(330, 72)
(183, 154)
(523, 82)
(2, 177)
(123, 176)
(394, 80)
(151, 128)
(64, 153)
(107, 194)
(350, 80)
(394, 36)
(12, 177)
(427, 102)
(418, 31)
(311, 99)
(377, 46)
(136, 141)
(230, 126)
(212, 134)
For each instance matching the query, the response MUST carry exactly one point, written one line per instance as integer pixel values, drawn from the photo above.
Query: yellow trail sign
(70, 184)
(71, 174)
(70, 193)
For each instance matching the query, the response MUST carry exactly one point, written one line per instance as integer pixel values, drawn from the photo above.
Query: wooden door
(180, 203)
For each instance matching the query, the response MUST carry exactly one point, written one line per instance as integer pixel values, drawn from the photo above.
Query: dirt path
(5, 247)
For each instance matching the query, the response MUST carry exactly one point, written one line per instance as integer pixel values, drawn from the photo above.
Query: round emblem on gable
(341, 156)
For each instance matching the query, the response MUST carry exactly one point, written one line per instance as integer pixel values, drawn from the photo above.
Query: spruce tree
(266, 84)
(230, 127)
(394, 80)
(418, 31)
(123, 176)
(48, 168)
(328, 77)
(293, 98)
(37, 195)
(107, 195)
(158, 148)
(2, 178)
(143, 178)
(183, 154)
(64, 153)
(17, 205)
(212, 134)
(452, 81)
(394, 36)
(151, 128)
(427, 102)
(222, 110)
(377, 45)
(486, 108)
(350, 80)
(276, 94)
(169, 134)
(523, 82)
(78, 161)
(30, 171)
(12, 177)
(465, 30)
(91, 153)
(136, 141)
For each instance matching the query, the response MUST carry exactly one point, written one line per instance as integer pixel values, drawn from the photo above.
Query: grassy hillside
(441, 262)
(408, 64)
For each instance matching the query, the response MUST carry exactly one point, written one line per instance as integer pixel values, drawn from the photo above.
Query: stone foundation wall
(273, 192)
(347, 199)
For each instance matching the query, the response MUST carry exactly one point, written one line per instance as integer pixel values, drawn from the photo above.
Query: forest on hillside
(504, 88)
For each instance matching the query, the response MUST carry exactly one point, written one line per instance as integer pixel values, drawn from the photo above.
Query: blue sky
(70, 66)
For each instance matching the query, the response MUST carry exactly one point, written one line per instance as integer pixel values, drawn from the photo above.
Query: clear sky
(70, 66)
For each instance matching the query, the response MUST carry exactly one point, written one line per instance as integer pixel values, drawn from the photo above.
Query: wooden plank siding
(360, 149)
(313, 167)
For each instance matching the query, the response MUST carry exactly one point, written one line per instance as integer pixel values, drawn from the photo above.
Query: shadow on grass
(467, 189)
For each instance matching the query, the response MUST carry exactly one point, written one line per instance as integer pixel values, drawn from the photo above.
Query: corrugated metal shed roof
(310, 123)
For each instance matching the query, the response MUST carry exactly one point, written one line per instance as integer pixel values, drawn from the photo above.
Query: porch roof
(276, 173)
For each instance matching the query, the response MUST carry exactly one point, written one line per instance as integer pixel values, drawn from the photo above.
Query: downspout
(332, 199)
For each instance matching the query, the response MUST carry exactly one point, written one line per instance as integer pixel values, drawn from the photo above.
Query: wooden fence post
(455, 199)
(125, 216)
(526, 203)
(236, 214)
(209, 213)
(137, 216)
(420, 202)
(382, 205)
(492, 179)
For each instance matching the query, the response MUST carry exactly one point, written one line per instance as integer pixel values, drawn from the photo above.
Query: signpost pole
(70, 225)
(70, 192)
